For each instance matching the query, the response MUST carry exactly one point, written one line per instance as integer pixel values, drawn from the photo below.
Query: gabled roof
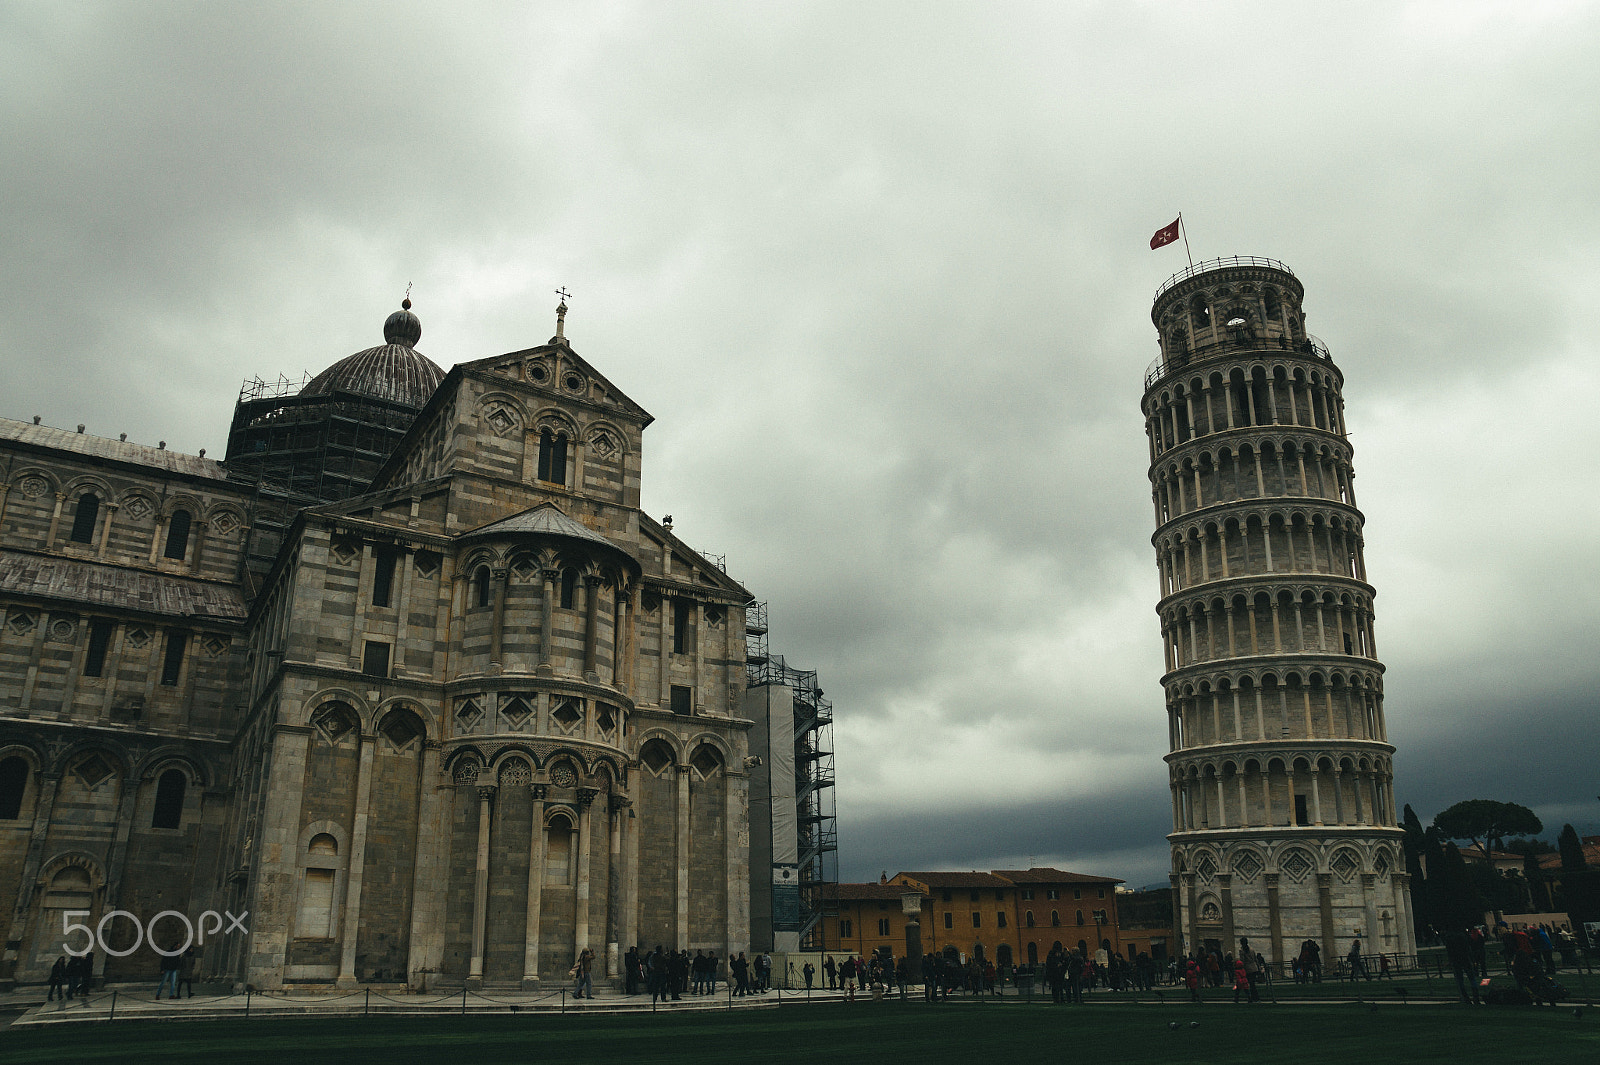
(543, 520)
(96, 584)
(626, 404)
(116, 450)
(1046, 875)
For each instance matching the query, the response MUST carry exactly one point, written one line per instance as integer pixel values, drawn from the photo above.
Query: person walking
(585, 985)
(186, 971)
(169, 976)
(1241, 982)
(1254, 967)
(58, 979)
(1458, 949)
(1191, 980)
(1353, 960)
(808, 971)
(847, 972)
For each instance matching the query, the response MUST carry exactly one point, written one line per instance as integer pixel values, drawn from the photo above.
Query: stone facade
(1284, 826)
(467, 724)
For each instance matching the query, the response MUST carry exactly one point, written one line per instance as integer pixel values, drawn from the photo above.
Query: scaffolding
(816, 812)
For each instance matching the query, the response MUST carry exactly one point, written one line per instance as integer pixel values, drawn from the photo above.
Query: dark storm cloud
(880, 272)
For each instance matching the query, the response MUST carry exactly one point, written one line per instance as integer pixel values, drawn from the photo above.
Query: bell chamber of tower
(1284, 826)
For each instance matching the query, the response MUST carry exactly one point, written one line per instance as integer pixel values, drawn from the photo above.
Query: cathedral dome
(394, 371)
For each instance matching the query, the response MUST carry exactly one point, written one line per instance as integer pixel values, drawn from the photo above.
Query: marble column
(480, 891)
(530, 941)
(580, 937)
(683, 857)
(357, 864)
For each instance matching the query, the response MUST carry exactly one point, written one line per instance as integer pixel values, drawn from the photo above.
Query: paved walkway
(127, 1004)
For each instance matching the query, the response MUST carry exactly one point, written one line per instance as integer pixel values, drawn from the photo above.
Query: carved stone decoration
(562, 776)
(1247, 866)
(501, 420)
(137, 508)
(538, 791)
(137, 638)
(466, 773)
(587, 795)
(224, 523)
(1296, 865)
(62, 629)
(34, 487)
(515, 773)
(21, 622)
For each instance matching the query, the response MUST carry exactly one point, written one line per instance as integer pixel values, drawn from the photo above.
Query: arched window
(569, 588)
(169, 799)
(13, 784)
(178, 535)
(1055, 918)
(480, 585)
(83, 518)
(1080, 916)
(552, 457)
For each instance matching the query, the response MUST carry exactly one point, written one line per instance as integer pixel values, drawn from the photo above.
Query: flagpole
(1185, 233)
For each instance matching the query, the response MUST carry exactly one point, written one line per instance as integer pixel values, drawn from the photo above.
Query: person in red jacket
(1191, 980)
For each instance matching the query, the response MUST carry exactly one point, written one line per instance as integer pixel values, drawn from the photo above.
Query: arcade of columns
(1284, 825)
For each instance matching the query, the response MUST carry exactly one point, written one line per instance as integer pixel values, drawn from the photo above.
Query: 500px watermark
(97, 935)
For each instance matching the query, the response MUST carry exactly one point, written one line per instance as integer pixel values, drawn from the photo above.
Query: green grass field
(957, 1032)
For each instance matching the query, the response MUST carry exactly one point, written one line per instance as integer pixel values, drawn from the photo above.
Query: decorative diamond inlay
(514, 711)
(1381, 865)
(468, 714)
(501, 421)
(1246, 866)
(1296, 865)
(137, 638)
(214, 645)
(400, 729)
(344, 554)
(1345, 866)
(602, 445)
(137, 508)
(567, 715)
(1206, 868)
(93, 770)
(334, 721)
(21, 622)
(224, 523)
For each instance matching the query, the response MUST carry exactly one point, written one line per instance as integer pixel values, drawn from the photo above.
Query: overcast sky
(881, 272)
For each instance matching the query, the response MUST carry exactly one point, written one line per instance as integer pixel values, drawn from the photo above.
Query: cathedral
(407, 686)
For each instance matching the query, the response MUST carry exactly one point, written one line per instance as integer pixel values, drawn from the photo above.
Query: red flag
(1165, 235)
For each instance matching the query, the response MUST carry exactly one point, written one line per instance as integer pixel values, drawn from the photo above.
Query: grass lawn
(957, 1032)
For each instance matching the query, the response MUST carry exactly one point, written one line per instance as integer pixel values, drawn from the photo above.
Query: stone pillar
(501, 577)
(1369, 908)
(630, 881)
(1325, 910)
(738, 859)
(547, 611)
(480, 892)
(591, 627)
(585, 834)
(357, 863)
(619, 629)
(1225, 885)
(530, 942)
(105, 530)
(1274, 918)
(1406, 931)
(275, 877)
(55, 524)
(426, 949)
(617, 808)
(1191, 930)
(49, 785)
(683, 857)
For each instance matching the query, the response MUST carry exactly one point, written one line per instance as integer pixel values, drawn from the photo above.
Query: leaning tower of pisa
(1284, 826)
